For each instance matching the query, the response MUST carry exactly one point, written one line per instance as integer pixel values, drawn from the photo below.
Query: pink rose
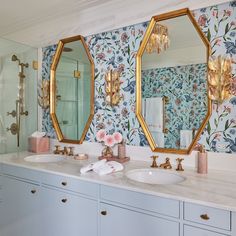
(101, 134)
(117, 137)
(101, 56)
(227, 12)
(124, 37)
(202, 20)
(109, 140)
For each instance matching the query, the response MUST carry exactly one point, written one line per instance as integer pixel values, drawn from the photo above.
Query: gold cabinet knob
(33, 191)
(104, 213)
(64, 183)
(205, 217)
(64, 200)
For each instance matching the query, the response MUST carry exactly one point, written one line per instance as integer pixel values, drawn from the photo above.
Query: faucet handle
(65, 151)
(154, 163)
(57, 150)
(71, 151)
(179, 164)
(13, 113)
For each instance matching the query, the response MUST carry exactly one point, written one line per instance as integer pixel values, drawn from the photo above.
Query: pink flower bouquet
(109, 141)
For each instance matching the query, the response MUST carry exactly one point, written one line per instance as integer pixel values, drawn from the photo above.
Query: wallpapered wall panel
(117, 49)
(186, 88)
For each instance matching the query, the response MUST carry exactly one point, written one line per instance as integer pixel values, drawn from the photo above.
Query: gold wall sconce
(220, 78)
(43, 94)
(112, 88)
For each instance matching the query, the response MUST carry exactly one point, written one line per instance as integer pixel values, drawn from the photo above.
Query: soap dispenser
(122, 150)
(202, 167)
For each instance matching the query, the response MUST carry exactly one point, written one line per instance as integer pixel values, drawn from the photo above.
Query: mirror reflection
(174, 83)
(73, 91)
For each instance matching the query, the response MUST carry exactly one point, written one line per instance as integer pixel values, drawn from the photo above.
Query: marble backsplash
(118, 48)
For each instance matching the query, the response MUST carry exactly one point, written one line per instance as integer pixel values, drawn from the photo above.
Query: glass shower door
(14, 84)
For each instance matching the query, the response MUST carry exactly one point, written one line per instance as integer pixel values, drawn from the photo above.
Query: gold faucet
(154, 163)
(179, 164)
(62, 152)
(167, 164)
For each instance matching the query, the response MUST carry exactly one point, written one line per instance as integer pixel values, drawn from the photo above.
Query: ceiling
(41, 23)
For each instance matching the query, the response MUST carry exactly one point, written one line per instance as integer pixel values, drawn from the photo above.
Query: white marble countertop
(216, 189)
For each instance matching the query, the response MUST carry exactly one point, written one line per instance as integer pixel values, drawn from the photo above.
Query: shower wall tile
(118, 48)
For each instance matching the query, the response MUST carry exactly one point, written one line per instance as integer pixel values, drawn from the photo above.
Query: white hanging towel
(186, 137)
(144, 107)
(154, 114)
(108, 167)
(159, 138)
(93, 165)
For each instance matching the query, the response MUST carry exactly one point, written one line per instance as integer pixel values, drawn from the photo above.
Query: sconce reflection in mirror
(220, 79)
(159, 40)
(112, 78)
(43, 94)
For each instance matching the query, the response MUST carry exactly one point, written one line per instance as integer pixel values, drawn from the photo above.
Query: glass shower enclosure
(18, 95)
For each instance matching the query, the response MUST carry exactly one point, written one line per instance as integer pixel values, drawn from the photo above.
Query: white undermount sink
(44, 158)
(150, 176)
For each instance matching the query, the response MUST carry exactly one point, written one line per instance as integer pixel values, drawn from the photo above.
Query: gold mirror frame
(55, 62)
(151, 141)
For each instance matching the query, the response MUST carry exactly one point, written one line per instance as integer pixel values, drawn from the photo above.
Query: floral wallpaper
(186, 89)
(219, 25)
(118, 48)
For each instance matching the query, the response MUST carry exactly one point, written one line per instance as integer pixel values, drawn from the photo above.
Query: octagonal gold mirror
(72, 90)
(172, 103)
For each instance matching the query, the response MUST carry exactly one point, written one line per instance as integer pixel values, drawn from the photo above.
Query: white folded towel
(108, 167)
(93, 165)
(38, 134)
(154, 113)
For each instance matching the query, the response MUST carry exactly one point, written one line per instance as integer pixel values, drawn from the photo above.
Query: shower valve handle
(14, 128)
(13, 113)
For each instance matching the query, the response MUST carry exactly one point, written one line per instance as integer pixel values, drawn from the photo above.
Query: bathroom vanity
(54, 199)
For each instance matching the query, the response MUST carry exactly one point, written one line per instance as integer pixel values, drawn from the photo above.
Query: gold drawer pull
(64, 183)
(205, 217)
(64, 200)
(33, 191)
(104, 213)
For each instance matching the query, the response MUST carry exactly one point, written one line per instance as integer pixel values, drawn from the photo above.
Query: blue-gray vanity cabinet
(131, 213)
(117, 221)
(20, 211)
(67, 213)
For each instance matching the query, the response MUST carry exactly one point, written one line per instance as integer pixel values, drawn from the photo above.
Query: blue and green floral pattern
(118, 48)
(186, 89)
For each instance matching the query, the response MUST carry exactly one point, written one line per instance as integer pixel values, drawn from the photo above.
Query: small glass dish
(81, 156)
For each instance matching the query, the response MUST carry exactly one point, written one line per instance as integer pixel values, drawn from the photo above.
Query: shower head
(14, 58)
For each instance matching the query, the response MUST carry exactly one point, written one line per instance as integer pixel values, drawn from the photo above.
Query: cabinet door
(20, 208)
(118, 221)
(67, 214)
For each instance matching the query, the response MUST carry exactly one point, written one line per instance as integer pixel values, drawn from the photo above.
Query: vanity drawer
(142, 201)
(70, 184)
(21, 172)
(207, 215)
(192, 231)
